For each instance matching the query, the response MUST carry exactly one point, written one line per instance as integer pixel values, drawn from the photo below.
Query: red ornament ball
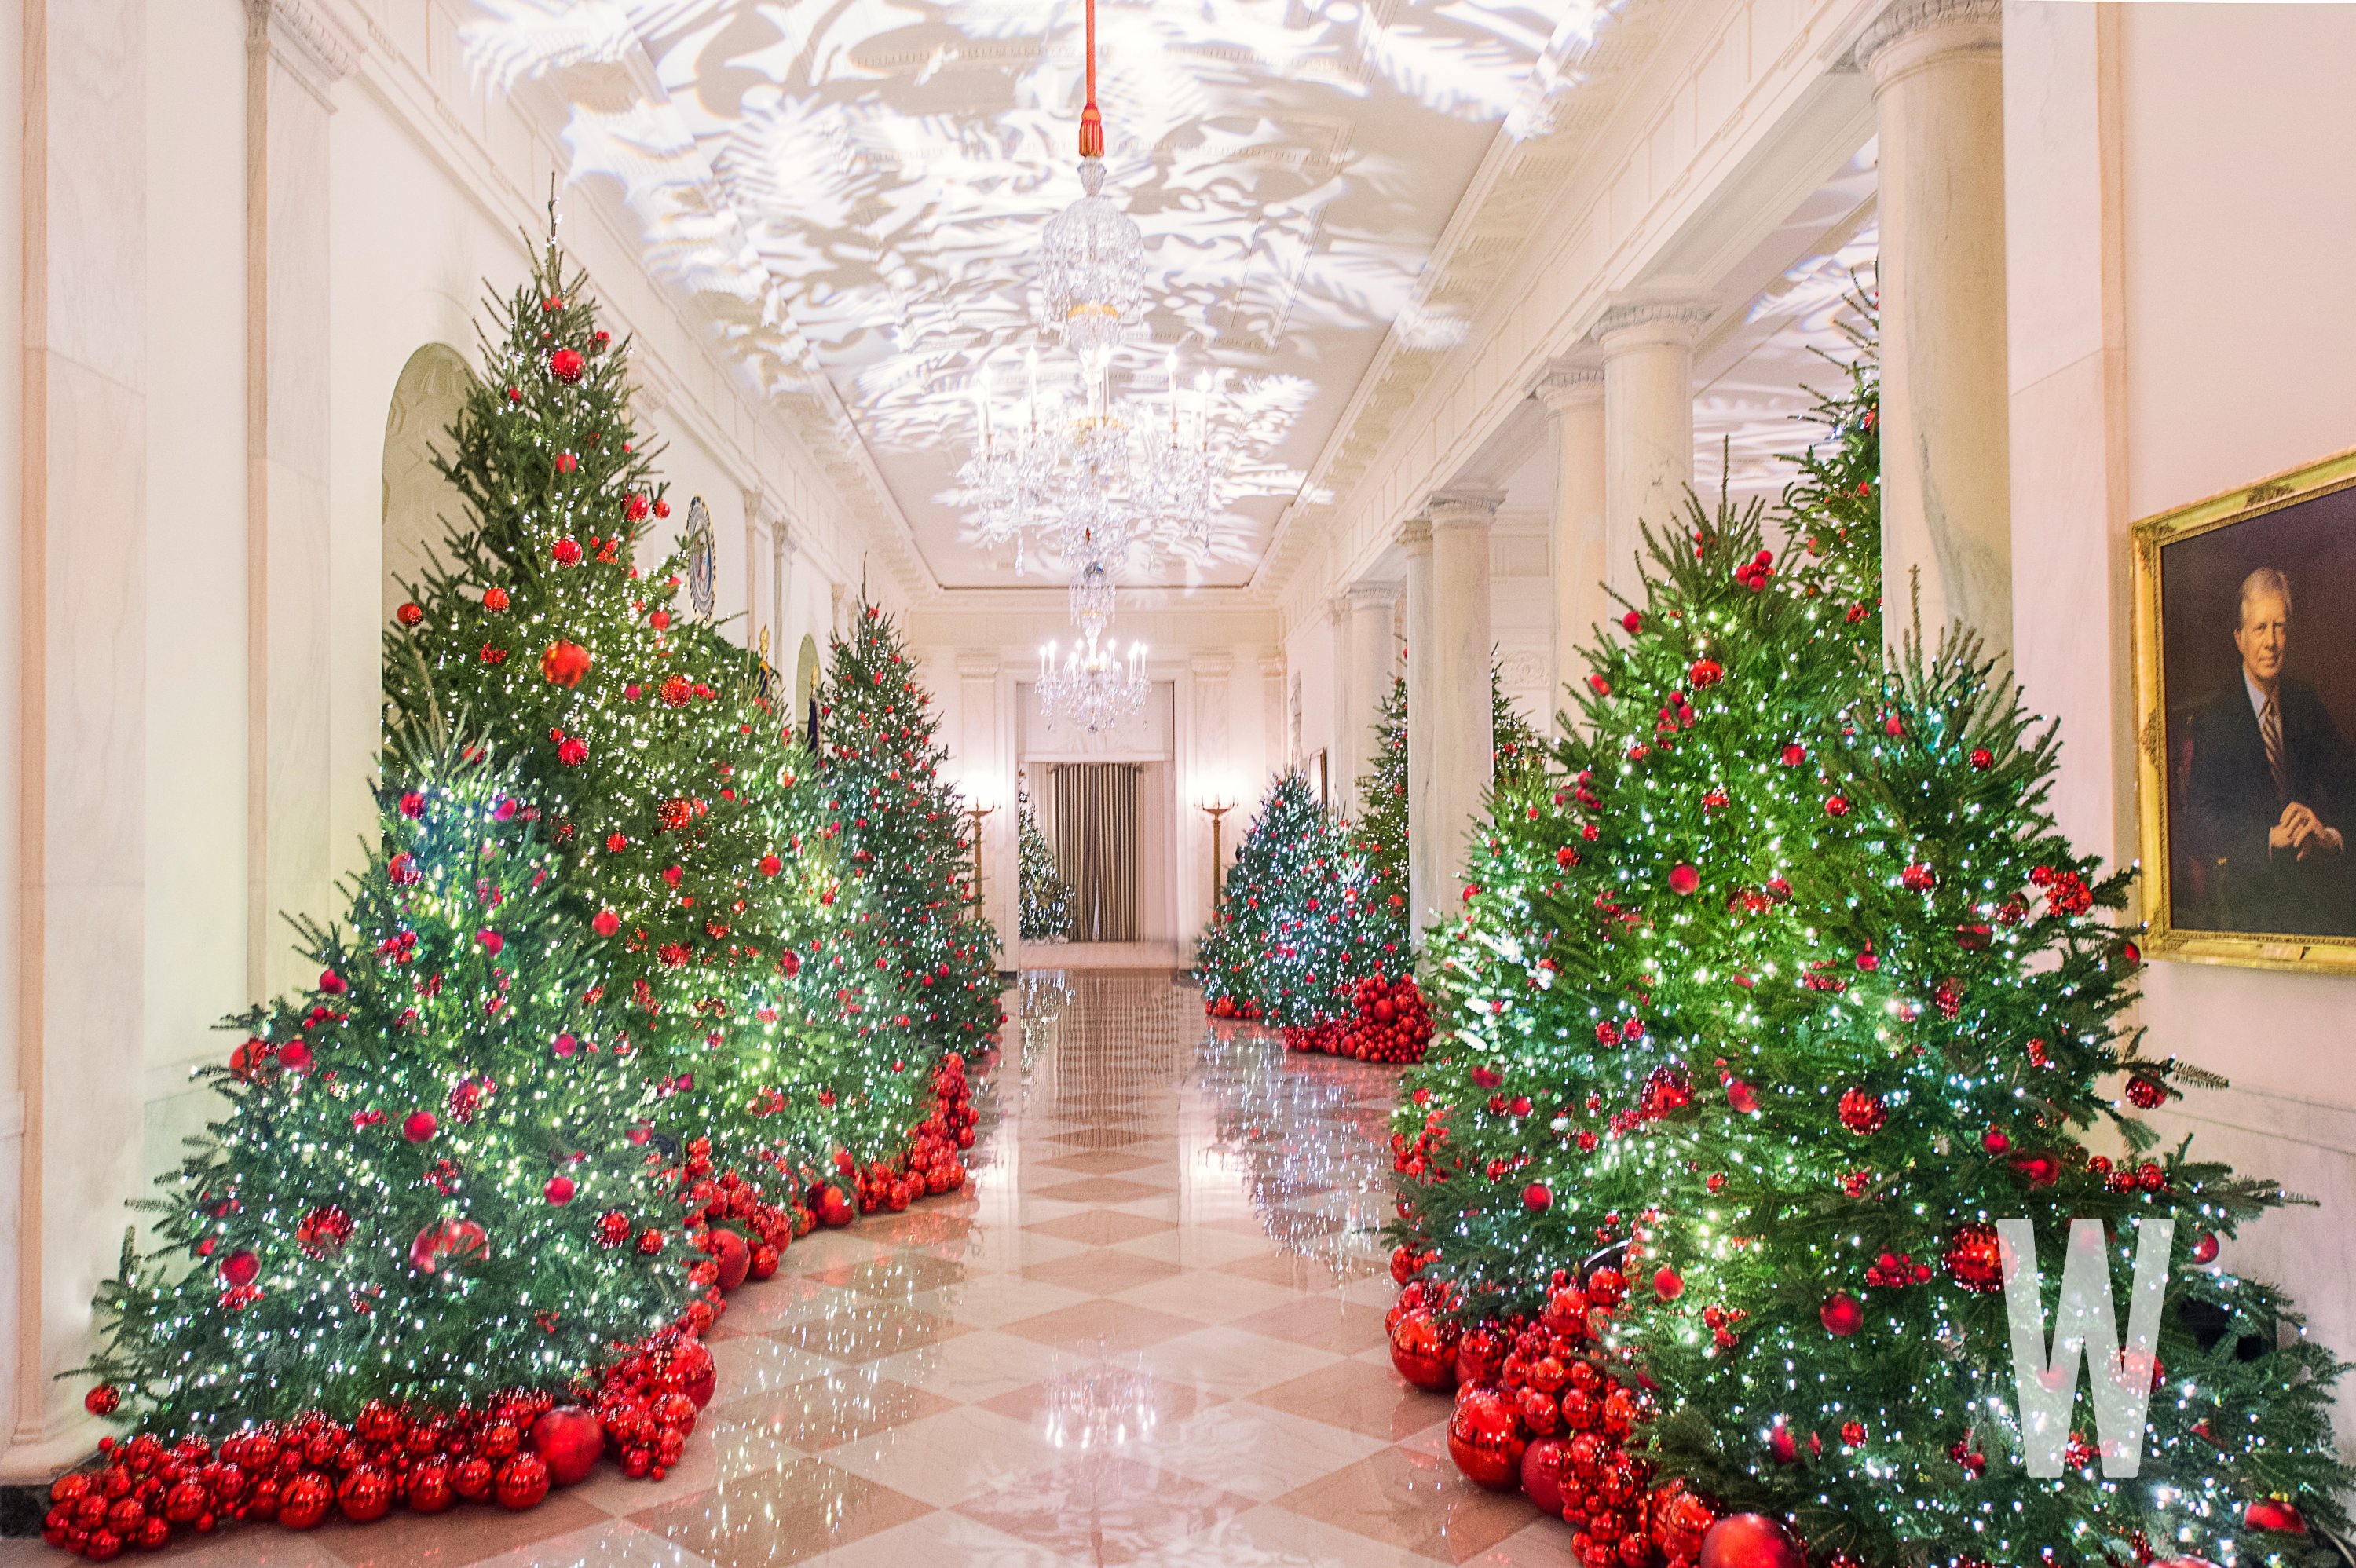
(1749, 1541)
(734, 1256)
(607, 923)
(1423, 1350)
(1537, 1198)
(305, 1500)
(1983, 759)
(558, 1190)
(563, 664)
(1684, 880)
(2147, 1094)
(522, 1482)
(419, 1126)
(429, 1487)
(568, 1440)
(495, 599)
(103, 1400)
(365, 1495)
(1543, 1463)
(2275, 1514)
(409, 614)
(766, 1258)
(1975, 1257)
(1484, 1438)
(471, 1478)
(2204, 1251)
(1667, 1284)
(566, 365)
(1841, 1315)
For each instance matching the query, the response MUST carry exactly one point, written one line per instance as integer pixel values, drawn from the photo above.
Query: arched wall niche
(419, 502)
(806, 690)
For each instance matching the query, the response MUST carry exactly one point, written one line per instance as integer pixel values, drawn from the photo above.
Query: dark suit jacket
(2231, 805)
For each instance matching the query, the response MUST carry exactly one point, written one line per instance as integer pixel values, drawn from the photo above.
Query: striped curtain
(1096, 846)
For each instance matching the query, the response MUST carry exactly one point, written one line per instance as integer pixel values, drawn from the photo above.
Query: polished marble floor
(1150, 1333)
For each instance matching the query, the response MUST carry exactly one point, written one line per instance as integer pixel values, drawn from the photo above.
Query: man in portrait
(2271, 785)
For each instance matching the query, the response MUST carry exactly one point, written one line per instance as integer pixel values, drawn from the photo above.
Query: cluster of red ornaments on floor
(1229, 1007)
(1391, 1024)
(147, 1492)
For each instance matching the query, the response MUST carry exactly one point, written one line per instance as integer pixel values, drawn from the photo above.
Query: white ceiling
(855, 188)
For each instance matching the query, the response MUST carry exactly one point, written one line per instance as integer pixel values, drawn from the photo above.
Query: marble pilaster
(81, 845)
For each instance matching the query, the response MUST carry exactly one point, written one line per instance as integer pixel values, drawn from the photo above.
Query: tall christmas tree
(428, 1181)
(1231, 954)
(903, 833)
(732, 957)
(1046, 897)
(1792, 1000)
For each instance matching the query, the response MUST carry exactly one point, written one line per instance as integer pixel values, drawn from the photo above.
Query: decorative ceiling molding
(305, 39)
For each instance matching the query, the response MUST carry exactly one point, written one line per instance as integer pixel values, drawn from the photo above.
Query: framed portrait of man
(2246, 693)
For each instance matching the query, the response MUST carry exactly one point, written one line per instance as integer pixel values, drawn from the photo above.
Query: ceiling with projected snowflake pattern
(855, 190)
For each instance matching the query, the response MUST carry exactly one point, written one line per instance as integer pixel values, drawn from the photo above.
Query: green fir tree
(1789, 997)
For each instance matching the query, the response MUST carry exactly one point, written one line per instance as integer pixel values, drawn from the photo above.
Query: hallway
(1150, 1332)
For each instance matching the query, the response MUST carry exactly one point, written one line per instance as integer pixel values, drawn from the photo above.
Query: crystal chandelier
(1092, 262)
(1091, 688)
(1084, 480)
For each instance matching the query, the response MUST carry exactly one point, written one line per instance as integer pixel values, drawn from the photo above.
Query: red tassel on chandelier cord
(1092, 142)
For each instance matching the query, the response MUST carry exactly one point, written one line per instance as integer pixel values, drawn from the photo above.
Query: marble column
(1374, 658)
(1463, 746)
(1647, 429)
(1573, 396)
(80, 814)
(295, 57)
(1423, 872)
(1938, 86)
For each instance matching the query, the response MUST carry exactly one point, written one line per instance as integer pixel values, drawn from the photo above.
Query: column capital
(1912, 33)
(303, 38)
(1464, 508)
(1569, 384)
(1215, 664)
(760, 509)
(1636, 323)
(1372, 595)
(1415, 537)
(977, 663)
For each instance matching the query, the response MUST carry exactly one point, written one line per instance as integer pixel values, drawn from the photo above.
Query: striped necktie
(2270, 730)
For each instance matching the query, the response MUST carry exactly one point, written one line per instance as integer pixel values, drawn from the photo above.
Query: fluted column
(1422, 661)
(1374, 656)
(1647, 428)
(1938, 86)
(72, 1118)
(1573, 396)
(1462, 742)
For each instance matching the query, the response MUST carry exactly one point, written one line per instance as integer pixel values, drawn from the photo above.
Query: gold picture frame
(2207, 772)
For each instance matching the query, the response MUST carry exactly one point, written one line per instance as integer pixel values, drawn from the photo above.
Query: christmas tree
(428, 1181)
(1046, 897)
(903, 833)
(733, 959)
(1790, 1000)
(1231, 955)
(1380, 831)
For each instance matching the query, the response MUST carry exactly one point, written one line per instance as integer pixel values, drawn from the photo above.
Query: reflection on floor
(1150, 1333)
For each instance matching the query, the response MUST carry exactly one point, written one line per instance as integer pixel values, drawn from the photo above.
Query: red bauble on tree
(1751, 1540)
(1975, 1257)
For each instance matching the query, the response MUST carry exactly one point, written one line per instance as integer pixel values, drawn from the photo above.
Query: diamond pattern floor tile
(1149, 1333)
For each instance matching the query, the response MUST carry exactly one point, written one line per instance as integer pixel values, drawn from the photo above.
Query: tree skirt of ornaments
(147, 1491)
(1391, 1024)
(1229, 1007)
(1541, 1408)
